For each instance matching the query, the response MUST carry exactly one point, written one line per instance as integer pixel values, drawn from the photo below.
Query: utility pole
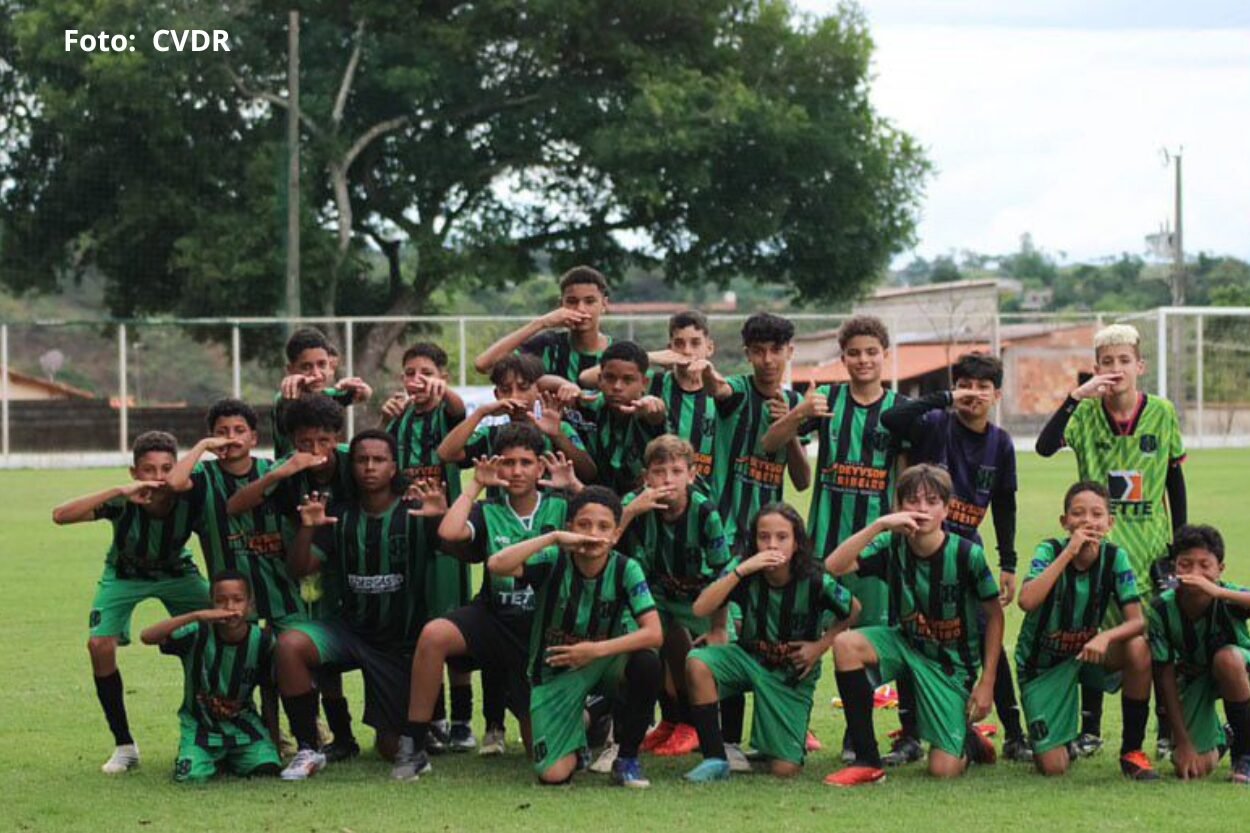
(1178, 249)
(292, 176)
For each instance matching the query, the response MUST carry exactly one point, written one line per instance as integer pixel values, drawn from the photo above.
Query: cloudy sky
(1049, 117)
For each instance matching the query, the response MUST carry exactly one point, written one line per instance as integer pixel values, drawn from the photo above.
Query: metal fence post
(894, 354)
(4, 388)
(123, 406)
(464, 353)
(236, 368)
(1162, 361)
(1202, 431)
(350, 358)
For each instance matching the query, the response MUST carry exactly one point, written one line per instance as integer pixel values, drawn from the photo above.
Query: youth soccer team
(628, 509)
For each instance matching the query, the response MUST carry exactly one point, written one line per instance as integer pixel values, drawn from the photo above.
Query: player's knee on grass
(440, 638)
(785, 769)
(700, 683)
(945, 765)
(103, 652)
(561, 772)
(1228, 666)
(852, 651)
(1053, 761)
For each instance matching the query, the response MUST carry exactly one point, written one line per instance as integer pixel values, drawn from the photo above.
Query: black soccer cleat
(905, 750)
(337, 751)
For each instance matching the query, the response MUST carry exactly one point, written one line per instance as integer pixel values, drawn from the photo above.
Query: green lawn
(54, 737)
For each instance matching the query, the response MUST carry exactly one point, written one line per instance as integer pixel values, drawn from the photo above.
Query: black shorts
(387, 672)
(494, 645)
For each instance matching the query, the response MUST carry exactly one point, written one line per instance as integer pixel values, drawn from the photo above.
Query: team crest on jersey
(985, 478)
(1149, 444)
(881, 440)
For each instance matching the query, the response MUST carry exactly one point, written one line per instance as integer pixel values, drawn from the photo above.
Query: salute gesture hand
(563, 317)
(140, 491)
(312, 510)
(1097, 387)
(762, 560)
(905, 522)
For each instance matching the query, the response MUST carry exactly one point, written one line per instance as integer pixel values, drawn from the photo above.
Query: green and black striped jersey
(1191, 644)
(572, 607)
(691, 416)
(218, 680)
(251, 543)
(559, 358)
(496, 525)
(616, 442)
(418, 437)
(1133, 459)
(854, 477)
(800, 610)
(287, 494)
(743, 477)
(1073, 612)
(145, 546)
(377, 566)
(680, 558)
(282, 444)
(934, 600)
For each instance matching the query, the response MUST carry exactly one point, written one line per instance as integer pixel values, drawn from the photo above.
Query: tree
(709, 139)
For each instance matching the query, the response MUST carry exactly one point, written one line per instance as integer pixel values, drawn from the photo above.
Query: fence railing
(118, 376)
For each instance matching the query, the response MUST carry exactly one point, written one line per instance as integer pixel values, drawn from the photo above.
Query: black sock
(1165, 728)
(683, 709)
(301, 710)
(440, 707)
(1091, 710)
(113, 701)
(706, 721)
(1005, 701)
(1238, 716)
(461, 703)
(643, 677)
(1136, 715)
(907, 707)
(668, 707)
(494, 697)
(856, 694)
(419, 731)
(732, 715)
(339, 717)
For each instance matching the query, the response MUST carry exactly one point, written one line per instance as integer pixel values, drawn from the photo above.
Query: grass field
(54, 737)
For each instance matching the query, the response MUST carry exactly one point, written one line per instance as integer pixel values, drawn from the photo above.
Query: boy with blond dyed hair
(1131, 441)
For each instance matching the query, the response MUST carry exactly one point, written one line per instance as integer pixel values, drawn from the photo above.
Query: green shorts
(1198, 697)
(941, 699)
(195, 764)
(448, 585)
(874, 599)
(556, 708)
(116, 598)
(783, 707)
(1052, 701)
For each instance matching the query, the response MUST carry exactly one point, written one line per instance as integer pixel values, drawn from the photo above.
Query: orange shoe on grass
(657, 736)
(813, 743)
(855, 776)
(682, 741)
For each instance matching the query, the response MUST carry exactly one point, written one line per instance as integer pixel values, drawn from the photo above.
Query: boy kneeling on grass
(1061, 648)
(791, 614)
(595, 630)
(224, 658)
(1200, 647)
(937, 581)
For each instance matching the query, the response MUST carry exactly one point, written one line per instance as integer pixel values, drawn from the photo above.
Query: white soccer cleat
(305, 764)
(603, 764)
(494, 742)
(123, 759)
(737, 758)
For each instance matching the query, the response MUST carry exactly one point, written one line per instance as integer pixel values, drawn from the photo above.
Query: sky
(1050, 118)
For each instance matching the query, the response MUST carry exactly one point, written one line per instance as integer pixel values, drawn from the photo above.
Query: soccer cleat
(980, 749)
(657, 736)
(1018, 750)
(439, 737)
(1241, 770)
(737, 758)
(606, 760)
(461, 738)
(904, 751)
(337, 752)
(1163, 748)
(683, 740)
(813, 744)
(1137, 767)
(855, 776)
(987, 730)
(627, 772)
(848, 752)
(885, 697)
(1085, 745)
(494, 742)
(123, 759)
(410, 764)
(305, 764)
(712, 769)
